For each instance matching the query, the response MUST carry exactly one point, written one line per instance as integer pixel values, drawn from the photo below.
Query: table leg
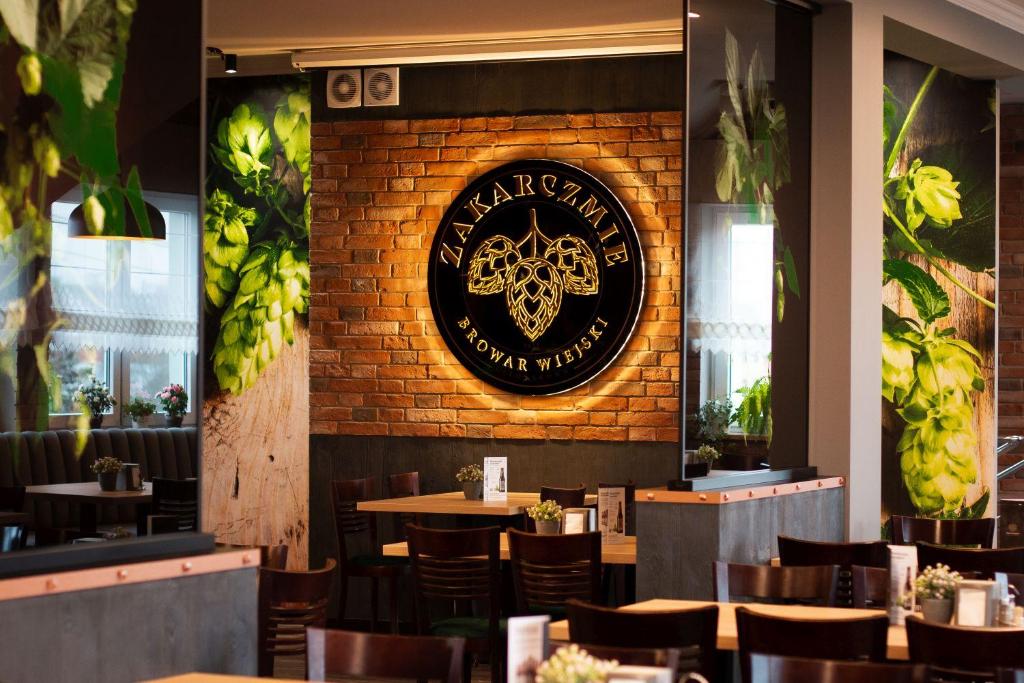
(87, 518)
(141, 513)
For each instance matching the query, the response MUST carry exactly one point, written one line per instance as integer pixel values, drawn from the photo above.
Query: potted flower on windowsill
(472, 479)
(139, 410)
(94, 398)
(935, 587)
(106, 470)
(708, 454)
(547, 515)
(174, 402)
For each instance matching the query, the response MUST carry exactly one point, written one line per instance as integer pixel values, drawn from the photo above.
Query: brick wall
(1011, 283)
(377, 363)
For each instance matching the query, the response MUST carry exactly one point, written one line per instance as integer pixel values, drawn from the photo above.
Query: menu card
(495, 478)
(527, 646)
(902, 575)
(611, 513)
(578, 520)
(976, 603)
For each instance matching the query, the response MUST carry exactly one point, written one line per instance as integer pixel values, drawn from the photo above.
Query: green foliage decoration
(225, 245)
(754, 413)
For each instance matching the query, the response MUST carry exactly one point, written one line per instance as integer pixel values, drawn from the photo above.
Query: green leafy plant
(712, 420)
(106, 465)
(708, 454)
(256, 249)
(471, 472)
(928, 375)
(545, 511)
(754, 413)
(139, 408)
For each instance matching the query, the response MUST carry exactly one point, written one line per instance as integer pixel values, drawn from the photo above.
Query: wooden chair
(964, 652)
(548, 571)
(870, 587)
(982, 560)
(691, 632)
(12, 498)
(349, 522)
(664, 657)
(567, 498)
(405, 485)
(762, 583)
(909, 530)
(1009, 675)
(796, 552)
(348, 653)
(289, 602)
(847, 639)
(177, 497)
(460, 569)
(776, 669)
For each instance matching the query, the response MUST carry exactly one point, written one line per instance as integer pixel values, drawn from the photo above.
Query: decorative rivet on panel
(775, 490)
(750, 494)
(798, 487)
(122, 573)
(702, 497)
(51, 584)
(725, 496)
(246, 559)
(841, 481)
(186, 566)
(650, 496)
(819, 484)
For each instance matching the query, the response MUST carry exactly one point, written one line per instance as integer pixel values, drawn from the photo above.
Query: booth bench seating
(34, 458)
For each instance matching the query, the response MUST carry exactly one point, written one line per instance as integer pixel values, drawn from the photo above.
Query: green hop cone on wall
(929, 193)
(897, 367)
(225, 245)
(274, 287)
(244, 147)
(291, 125)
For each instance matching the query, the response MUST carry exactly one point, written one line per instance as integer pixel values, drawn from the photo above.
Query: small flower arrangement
(469, 473)
(571, 664)
(708, 453)
(545, 511)
(139, 408)
(95, 397)
(173, 400)
(938, 583)
(107, 465)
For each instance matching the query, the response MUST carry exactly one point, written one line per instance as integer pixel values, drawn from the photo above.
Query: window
(129, 310)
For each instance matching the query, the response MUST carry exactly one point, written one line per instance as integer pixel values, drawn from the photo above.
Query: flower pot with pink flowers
(174, 403)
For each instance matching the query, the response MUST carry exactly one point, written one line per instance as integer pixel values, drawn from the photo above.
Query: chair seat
(465, 627)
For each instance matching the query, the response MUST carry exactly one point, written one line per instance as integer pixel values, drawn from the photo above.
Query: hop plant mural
(256, 237)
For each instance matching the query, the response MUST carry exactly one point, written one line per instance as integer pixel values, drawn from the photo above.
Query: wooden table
(611, 553)
(455, 503)
(88, 495)
(727, 639)
(206, 678)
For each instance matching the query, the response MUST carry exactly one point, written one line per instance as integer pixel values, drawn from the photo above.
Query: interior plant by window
(94, 398)
(173, 400)
(712, 421)
(708, 454)
(930, 376)
(139, 408)
(754, 413)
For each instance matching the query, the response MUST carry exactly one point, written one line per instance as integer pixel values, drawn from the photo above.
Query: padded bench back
(34, 458)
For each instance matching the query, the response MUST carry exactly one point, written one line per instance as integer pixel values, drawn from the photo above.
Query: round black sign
(536, 277)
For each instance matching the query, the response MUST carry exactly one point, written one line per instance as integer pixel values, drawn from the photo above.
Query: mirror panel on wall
(748, 231)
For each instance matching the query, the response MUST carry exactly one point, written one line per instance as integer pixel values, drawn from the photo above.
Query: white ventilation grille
(344, 88)
(380, 87)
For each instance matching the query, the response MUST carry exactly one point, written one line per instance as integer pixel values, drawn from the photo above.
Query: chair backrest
(348, 521)
(797, 552)
(178, 497)
(908, 530)
(567, 498)
(630, 512)
(777, 669)
(692, 632)
(12, 498)
(289, 602)
(664, 657)
(850, 639)
(984, 560)
(550, 570)
(870, 587)
(461, 566)
(763, 583)
(348, 653)
(405, 485)
(974, 653)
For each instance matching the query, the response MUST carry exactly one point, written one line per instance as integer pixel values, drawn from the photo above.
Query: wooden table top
(727, 639)
(455, 503)
(206, 678)
(611, 553)
(89, 492)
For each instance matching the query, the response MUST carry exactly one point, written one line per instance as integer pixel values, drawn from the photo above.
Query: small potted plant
(570, 664)
(106, 470)
(935, 587)
(547, 515)
(139, 410)
(94, 398)
(174, 402)
(708, 454)
(472, 479)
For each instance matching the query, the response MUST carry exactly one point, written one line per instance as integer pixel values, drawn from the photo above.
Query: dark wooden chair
(12, 498)
(289, 602)
(762, 583)
(983, 560)
(351, 523)
(964, 653)
(178, 498)
(567, 498)
(776, 669)
(405, 485)
(1009, 675)
(870, 587)
(862, 638)
(348, 653)
(664, 657)
(462, 570)
(909, 530)
(797, 552)
(548, 571)
(692, 632)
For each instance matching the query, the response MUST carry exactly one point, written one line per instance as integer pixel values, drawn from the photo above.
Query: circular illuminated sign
(536, 277)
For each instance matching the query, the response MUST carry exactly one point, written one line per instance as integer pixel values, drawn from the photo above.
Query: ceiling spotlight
(693, 15)
(230, 63)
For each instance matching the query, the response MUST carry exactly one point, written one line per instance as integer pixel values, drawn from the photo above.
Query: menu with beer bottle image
(611, 502)
(495, 479)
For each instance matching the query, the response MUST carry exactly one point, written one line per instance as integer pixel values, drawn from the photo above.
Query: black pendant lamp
(158, 229)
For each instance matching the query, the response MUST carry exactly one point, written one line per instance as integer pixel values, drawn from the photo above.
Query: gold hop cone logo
(533, 284)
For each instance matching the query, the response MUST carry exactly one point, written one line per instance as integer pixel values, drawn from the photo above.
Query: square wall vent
(380, 87)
